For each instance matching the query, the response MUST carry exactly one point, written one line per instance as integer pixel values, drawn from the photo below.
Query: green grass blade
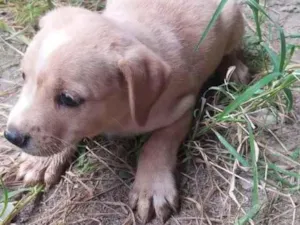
(283, 171)
(22, 203)
(291, 49)
(289, 99)
(251, 214)
(282, 50)
(295, 154)
(12, 194)
(5, 197)
(288, 80)
(276, 176)
(273, 57)
(231, 149)
(254, 157)
(257, 23)
(293, 36)
(255, 5)
(255, 197)
(248, 94)
(212, 21)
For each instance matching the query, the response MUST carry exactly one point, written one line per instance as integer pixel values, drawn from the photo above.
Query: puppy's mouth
(45, 149)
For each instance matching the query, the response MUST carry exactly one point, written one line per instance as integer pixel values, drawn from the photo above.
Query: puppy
(132, 69)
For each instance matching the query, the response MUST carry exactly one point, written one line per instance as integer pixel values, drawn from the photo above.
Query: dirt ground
(94, 190)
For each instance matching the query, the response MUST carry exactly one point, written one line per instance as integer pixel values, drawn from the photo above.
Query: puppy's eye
(66, 99)
(23, 76)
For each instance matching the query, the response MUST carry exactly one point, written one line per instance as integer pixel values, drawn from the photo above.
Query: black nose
(16, 138)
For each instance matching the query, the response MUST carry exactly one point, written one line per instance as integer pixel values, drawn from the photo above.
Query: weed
(9, 208)
(273, 91)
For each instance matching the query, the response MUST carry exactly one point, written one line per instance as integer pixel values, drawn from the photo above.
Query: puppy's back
(177, 25)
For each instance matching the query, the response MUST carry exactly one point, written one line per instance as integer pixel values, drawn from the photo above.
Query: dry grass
(243, 169)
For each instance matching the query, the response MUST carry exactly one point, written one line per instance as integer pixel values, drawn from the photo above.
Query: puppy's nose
(16, 138)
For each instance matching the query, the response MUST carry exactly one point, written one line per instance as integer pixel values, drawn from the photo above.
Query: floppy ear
(146, 76)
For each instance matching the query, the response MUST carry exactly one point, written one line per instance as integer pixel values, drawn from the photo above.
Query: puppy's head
(82, 76)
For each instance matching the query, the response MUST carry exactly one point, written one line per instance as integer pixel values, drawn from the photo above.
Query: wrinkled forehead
(43, 46)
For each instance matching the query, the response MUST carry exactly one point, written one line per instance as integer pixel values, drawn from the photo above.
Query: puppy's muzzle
(16, 137)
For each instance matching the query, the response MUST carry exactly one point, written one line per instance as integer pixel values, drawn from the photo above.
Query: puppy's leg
(154, 187)
(46, 170)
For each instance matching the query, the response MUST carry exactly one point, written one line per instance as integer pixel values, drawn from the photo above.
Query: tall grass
(272, 91)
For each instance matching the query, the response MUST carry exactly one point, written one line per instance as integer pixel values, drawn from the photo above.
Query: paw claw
(163, 213)
(52, 174)
(173, 203)
(32, 178)
(157, 196)
(24, 166)
(20, 176)
(133, 200)
(145, 209)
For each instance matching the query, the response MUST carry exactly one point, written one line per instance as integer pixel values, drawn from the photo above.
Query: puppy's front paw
(154, 193)
(47, 170)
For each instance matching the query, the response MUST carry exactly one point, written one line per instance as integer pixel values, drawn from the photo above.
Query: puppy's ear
(146, 76)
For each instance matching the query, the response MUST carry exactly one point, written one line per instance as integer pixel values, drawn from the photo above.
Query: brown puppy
(130, 70)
